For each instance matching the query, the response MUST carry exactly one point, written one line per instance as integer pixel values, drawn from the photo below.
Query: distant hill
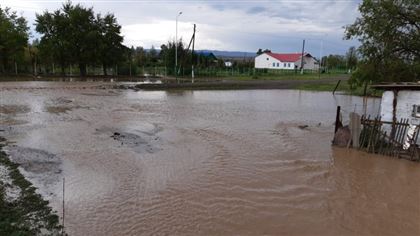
(223, 54)
(230, 54)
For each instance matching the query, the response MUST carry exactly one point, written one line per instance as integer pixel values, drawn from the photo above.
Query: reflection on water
(222, 163)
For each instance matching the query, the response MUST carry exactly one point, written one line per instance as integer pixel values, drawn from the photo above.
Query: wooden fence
(388, 138)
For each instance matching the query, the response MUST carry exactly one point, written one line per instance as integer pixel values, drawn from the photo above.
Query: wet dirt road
(204, 162)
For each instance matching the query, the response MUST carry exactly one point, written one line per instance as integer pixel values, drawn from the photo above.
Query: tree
(390, 40)
(168, 56)
(33, 53)
(13, 37)
(351, 58)
(74, 34)
(54, 42)
(152, 57)
(111, 48)
(333, 61)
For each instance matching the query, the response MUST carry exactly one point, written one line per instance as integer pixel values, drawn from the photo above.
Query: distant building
(228, 64)
(285, 61)
(207, 55)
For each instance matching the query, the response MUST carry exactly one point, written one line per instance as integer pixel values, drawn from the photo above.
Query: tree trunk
(63, 68)
(104, 69)
(82, 68)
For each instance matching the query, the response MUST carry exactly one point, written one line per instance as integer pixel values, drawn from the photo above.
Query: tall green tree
(74, 35)
(13, 38)
(55, 40)
(110, 43)
(167, 54)
(83, 35)
(351, 58)
(333, 61)
(390, 40)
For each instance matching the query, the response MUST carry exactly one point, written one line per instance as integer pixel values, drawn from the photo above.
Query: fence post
(355, 128)
(337, 119)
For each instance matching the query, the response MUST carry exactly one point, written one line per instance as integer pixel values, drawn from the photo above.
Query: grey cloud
(255, 10)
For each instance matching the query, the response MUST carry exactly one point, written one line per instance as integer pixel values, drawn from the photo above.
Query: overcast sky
(223, 25)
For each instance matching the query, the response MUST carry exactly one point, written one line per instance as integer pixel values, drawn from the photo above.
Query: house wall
(309, 63)
(261, 62)
(405, 102)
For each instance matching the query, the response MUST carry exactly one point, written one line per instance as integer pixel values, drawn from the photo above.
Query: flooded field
(251, 162)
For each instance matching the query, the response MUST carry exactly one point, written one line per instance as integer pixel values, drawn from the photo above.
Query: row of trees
(347, 62)
(75, 35)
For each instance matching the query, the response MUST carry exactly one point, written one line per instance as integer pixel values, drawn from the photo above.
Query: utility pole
(64, 181)
(192, 57)
(176, 46)
(301, 61)
(320, 60)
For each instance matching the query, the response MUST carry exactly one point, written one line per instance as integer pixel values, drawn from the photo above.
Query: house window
(284, 65)
(288, 64)
(274, 64)
(416, 111)
(278, 64)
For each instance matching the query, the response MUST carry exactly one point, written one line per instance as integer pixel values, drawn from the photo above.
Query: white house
(288, 61)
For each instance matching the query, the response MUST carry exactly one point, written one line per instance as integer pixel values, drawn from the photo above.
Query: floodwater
(250, 162)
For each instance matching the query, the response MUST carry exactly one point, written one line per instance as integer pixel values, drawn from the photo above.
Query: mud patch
(58, 110)
(139, 141)
(61, 105)
(14, 109)
(8, 121)
(102, 93)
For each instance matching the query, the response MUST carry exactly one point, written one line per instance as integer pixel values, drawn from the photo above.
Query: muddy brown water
(204, 162)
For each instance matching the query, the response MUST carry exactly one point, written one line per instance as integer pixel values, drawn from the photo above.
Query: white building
(400, 101)
(288, 61)
(406, 97)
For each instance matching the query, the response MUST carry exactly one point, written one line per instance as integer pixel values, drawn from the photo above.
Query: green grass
(342, 87)
(29, 214)
(310, 76)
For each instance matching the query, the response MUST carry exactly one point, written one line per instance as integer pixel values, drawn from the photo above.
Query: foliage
(74, 34)
(110, 42)
(167, 54)
(13, 38)
(333, 61)
(351, 58)
(389, 33)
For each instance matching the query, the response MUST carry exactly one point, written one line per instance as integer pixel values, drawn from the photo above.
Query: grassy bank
(343, 87)
(308, 76)
(26, 213)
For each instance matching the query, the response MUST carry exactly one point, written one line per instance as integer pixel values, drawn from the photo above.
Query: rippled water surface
(205, 162)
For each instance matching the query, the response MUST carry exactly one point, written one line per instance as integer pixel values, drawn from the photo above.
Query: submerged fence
(397, 139)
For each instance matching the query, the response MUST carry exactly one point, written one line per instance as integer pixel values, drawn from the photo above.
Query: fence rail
(388, 138)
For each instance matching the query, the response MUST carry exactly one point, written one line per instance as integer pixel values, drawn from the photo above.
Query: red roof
(286, 57)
